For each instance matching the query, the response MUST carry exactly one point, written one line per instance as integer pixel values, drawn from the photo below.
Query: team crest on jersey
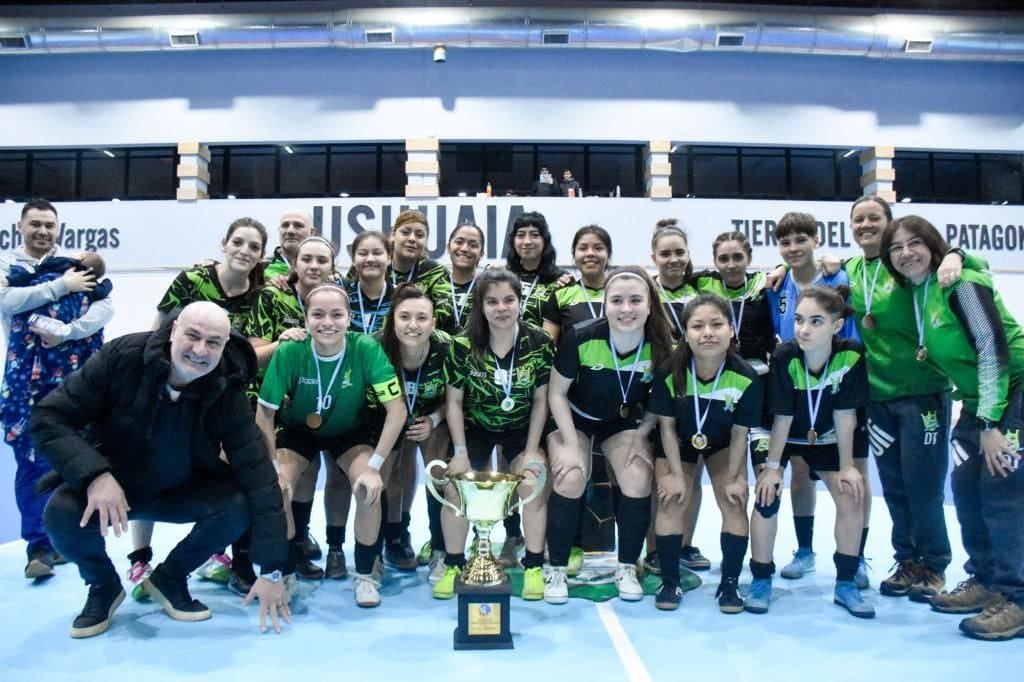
(524, 376)
(346, 379)
(930, 420)
(761, 444)
(1013, 438)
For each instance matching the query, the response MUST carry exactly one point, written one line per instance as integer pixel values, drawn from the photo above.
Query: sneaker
(172, 594)
(575, 564)
(239, 584)
(423, 557)
(668, 597)
(99, 608)
(801, 565)
(367, 595)
(310, 548)
(436, 566)
(652, 564)
(970, 596)
(334, 567)
(1000, 620)
(445, 587)
(216, 569)
(898, 584)
(759, 598)
(860, 578)
(307, 570)
(849, 597)
(378, 570)
(556, 585)
(58, 558)
(627, 583)
(40, 563)
(139, 571)
(691, 558)
(399, 555)
(533, 584)
(929, 583)
(729, 600)
(509, 555)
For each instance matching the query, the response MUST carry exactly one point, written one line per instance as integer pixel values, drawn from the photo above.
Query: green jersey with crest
(674, 301)
(535, 295)
(434, 280)
(752, 315)
(274, 312)
(427, 384)
(201, 283)
(573, 304)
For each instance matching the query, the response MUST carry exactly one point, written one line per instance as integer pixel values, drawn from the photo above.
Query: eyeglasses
(913, 243)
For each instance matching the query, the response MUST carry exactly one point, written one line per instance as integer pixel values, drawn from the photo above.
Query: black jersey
(368, 314)
(535, 294)
(572, 304)
(751, 312)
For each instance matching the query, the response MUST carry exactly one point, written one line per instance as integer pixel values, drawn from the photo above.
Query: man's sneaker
(436, 566)
(240, 584)
(509, 555)
(307, 570)
(970, 596)
(172, 594)
(860, 578)
(139, 571)
(668, 597)
(928, 585)
(40, 563)
(691, 557)
(445, 587)
(898, 584)
(423, 556)
(310, 548)
(99, 608)
(759, 598)
(801, 565)
(399, 555)
(849, 597)
(334, 567)
(216, 569)
(575, 564)
(378, 570)
(367, 594)
(627, 583)
(652, 564)
(533, 584)
(1002, 619)
(556, 585)
(729, 600)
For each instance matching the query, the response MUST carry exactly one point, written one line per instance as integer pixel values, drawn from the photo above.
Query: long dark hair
(389, 338)
(547, 271)
(256, 274)
(657, 328)
(478, 330)
(679, 362)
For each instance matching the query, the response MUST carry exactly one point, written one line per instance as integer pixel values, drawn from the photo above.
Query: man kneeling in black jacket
(161, 406)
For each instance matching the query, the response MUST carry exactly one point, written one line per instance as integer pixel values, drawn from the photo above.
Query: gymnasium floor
(804, 637)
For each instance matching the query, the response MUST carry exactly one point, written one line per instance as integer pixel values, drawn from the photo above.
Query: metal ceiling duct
(682, 28)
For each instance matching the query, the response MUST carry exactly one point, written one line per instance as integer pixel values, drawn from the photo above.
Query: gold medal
(624, 411)
(699, 441)
(922, 354)
(812, 437)
(868, 321)
(313, 420)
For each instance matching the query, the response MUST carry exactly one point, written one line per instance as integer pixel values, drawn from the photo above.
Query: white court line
(635, 669)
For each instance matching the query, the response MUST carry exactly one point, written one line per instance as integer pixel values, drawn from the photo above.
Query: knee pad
(769, 511)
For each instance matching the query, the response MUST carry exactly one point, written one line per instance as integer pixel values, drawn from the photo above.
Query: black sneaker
(240, 584)
(729, 600)
(310, 548)
(668, 597)
(335, 568)
(400, 555)
(307, 570)
(172, 594)
(40, 563)
(652, 564)
(99, 608)
(691, 558)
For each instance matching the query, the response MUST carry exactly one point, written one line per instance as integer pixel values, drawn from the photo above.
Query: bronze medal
(922, 354)
(314, 421)
(868, 321)
(699, 441)
(624, 411)
(812, 437)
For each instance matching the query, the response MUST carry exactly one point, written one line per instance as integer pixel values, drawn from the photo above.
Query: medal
(868, 321)
(313, 420)
(624, 410)
(814, 405)
(922, 354)
(503, 377)
(508, 404)
(699, 441)
(812, 436)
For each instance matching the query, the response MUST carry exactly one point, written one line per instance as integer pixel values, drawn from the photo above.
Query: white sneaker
(436, 565)
(365, 587)
(378, 570)
(556, 585)
(629, 586)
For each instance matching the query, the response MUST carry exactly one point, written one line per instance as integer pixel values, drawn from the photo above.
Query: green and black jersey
(572, 304)
(843, 383)
(274, 312)
(459, 303)
(585, 355)
(535, 294)
(674, 301)
(756, 332)
(277, 265)
(368, 314)
(434, 280)
(736, 400)
(427, 384)
(201, 283)
(974, 340)
(482, 384)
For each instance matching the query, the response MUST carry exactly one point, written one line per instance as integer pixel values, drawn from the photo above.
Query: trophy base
(483, 617)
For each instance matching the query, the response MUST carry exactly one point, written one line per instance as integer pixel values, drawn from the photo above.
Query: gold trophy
(485, 498)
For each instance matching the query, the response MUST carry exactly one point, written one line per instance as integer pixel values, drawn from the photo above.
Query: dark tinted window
(13, 176)
(104, 175)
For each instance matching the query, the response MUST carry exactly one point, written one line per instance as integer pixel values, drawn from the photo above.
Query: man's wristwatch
(273, 576)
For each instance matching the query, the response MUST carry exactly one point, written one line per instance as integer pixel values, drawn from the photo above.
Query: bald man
(295, 226)
(161, 405)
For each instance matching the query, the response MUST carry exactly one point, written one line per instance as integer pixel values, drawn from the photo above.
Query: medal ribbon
(590, 304)
(672, 309)
(813, 407)
(869, 292)
(368, 327)
(506, 385)
(698, 417)
(457, 310)
(320, 406)
(632, 370)
(918, 316)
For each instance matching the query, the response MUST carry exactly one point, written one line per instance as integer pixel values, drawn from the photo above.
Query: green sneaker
(445, 587)
(423, 557)
(575, 564)
(533, 584)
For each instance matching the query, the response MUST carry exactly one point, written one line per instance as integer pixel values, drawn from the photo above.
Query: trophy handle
(538, 485)
(432, 482)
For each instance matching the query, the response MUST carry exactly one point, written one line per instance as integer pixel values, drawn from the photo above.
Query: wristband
(460, 451)
(435, 419)
(376, 461)
(987, 425)
(769, 464)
